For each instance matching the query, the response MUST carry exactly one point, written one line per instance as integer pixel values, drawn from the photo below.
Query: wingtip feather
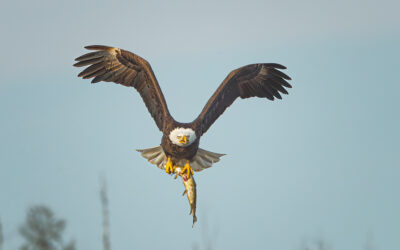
(98, 47)
(96, 79)
(279, 66)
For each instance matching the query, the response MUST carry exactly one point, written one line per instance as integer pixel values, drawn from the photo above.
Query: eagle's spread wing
(261, 80)
(123, 67)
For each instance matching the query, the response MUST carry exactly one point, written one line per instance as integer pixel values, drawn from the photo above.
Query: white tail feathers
(202, 160)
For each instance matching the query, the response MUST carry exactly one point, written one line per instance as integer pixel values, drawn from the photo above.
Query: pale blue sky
(324, 161)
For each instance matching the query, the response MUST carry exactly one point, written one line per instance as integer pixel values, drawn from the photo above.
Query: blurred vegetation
(318, 244)
(1, 237)
(321, 244)
(106, 214)
(43, 231)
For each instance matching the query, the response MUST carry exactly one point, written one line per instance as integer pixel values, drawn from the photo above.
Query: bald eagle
(180, 141)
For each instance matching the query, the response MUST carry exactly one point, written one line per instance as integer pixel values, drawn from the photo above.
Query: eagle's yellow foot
(188, 169)
(169, 168)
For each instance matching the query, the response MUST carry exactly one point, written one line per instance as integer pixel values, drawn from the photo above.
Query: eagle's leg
(169, 168)
(188, 169)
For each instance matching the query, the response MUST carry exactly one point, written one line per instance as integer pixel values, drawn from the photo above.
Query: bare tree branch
(1, 237)
(106, 214)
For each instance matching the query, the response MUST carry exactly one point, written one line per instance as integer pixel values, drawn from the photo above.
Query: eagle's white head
(182, 137)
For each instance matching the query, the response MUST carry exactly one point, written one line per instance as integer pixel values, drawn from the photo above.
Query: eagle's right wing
(261, 80)
(123, 67)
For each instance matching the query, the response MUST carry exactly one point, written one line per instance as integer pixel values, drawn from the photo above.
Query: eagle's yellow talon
(188, 169)
(169, 168)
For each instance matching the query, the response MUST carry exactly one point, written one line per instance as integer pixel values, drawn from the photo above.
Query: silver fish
(190, 190)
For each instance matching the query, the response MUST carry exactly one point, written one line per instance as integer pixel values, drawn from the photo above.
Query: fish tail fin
(194, 220)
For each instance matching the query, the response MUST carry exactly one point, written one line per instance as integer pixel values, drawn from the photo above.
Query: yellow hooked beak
(183, 139)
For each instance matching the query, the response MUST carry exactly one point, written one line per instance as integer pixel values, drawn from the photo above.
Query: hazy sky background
(323, 162)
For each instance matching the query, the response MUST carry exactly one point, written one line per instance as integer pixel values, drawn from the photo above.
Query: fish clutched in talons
(182, 167)
(190, 190)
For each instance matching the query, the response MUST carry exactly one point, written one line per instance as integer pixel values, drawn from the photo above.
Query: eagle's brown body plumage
(176, 151)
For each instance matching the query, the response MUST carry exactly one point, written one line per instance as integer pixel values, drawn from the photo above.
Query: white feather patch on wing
(202, 160)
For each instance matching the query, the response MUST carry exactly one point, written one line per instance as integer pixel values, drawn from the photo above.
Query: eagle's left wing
(260, 80)
(111, 64)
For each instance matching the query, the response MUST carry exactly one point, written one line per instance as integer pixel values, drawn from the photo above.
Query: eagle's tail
(155, 156)
(202, 160)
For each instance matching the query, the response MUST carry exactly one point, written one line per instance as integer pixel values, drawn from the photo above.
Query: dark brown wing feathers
(254, 80)
(123, 67)
(111, 64)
